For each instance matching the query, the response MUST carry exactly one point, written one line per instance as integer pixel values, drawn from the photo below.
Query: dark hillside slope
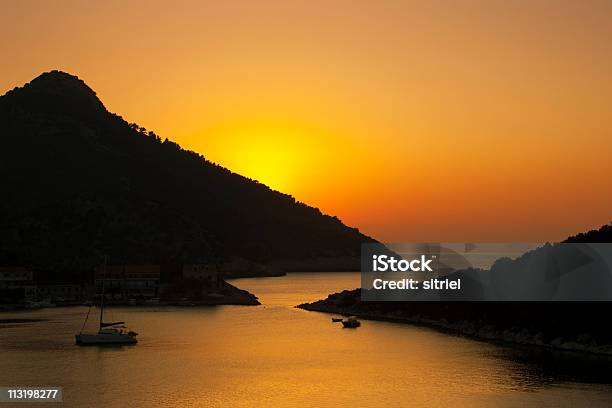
(567, 325)
(601, 235)
(79, 182)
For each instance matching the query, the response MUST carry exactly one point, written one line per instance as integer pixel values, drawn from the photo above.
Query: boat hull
(93, 339)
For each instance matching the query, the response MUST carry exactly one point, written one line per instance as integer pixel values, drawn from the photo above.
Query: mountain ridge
(56, 92)
(83, 182)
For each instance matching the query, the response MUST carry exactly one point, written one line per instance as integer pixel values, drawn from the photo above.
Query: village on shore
(122, 284)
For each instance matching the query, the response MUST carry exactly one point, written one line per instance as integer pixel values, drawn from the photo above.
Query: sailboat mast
(102, 300)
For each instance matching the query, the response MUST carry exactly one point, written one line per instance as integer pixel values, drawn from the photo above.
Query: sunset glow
(413, 121)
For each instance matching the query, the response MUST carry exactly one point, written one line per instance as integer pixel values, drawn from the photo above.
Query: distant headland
(575, 326)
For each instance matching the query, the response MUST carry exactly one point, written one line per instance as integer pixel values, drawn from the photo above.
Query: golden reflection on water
(275, 356)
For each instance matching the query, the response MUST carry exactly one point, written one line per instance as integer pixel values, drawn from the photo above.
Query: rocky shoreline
(348, 303)
(228, 295)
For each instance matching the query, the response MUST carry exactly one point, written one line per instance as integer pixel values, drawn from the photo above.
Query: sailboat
(108, 333)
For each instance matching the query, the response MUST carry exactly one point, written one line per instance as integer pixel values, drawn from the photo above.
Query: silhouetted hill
(79, 182)
(603, 234)
(567, 325)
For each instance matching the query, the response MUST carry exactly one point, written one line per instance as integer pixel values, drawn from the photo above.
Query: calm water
(276, 355)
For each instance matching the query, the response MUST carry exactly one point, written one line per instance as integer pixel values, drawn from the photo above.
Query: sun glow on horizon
(413, 121)
(263, 155)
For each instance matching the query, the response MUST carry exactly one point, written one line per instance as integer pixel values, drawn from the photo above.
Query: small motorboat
(336, 319)
(351, 323)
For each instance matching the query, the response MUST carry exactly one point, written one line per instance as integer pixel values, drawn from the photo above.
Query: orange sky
(414, 121)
